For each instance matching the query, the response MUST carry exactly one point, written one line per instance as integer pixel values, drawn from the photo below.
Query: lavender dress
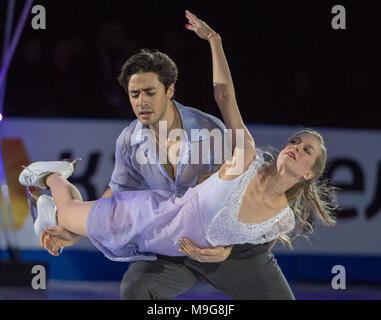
(133, 225)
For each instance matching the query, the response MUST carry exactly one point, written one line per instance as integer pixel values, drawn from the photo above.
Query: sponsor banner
(29, 140)
(354, 164)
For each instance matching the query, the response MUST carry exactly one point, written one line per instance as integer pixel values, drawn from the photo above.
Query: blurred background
(290, 69)
(288, 63)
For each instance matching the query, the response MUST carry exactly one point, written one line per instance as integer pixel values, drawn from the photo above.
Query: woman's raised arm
(224, 92)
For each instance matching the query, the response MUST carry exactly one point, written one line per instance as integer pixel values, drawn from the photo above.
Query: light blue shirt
(198, 154)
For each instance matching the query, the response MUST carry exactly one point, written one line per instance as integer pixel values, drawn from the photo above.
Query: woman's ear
(308, 176)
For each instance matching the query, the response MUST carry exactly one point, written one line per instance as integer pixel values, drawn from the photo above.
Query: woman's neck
(276, 182)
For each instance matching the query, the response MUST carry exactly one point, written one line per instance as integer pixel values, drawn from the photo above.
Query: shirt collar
(188, 121)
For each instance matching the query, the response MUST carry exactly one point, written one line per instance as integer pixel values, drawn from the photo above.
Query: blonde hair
(315, 196)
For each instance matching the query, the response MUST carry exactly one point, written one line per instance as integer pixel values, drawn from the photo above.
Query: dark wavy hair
(149, 61)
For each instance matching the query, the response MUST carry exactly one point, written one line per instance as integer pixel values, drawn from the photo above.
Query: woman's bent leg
(71, 213)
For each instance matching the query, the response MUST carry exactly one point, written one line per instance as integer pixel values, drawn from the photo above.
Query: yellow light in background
(14, 156)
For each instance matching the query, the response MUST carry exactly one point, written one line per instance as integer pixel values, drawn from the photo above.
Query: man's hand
(217, 254)
(54, 238)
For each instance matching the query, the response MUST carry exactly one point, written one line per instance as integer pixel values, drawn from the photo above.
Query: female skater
(257, 205)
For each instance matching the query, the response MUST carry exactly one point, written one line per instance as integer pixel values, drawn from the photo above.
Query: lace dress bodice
(224, 227)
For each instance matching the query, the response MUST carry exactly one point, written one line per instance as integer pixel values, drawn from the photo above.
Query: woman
(256, 205)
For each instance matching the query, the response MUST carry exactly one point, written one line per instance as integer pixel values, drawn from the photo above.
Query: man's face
(148, 98)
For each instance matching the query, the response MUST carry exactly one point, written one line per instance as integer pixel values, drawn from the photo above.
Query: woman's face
(299, 155)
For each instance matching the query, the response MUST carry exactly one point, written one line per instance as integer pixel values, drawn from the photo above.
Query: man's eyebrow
(144, 89)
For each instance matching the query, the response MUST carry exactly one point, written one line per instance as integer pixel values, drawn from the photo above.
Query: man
(149, 79)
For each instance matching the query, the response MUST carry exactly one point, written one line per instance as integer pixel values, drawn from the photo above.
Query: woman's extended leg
(71, 213)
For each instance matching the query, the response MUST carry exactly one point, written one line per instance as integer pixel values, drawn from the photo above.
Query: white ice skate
(34, 174)
(46, 211)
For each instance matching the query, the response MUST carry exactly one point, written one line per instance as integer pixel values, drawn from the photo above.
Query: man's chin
(147, 122)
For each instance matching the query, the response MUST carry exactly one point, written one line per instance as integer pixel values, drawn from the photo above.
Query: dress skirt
(133, 225)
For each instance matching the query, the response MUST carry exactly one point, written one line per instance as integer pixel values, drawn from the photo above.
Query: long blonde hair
(316, 196)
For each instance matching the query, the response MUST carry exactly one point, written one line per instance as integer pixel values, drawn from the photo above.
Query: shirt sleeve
(124, 176)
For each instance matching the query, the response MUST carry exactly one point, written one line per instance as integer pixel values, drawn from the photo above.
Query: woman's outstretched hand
(199, 27)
